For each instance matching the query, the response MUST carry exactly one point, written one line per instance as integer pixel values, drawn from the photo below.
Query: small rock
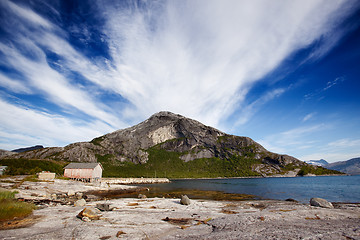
(185, 200)
(79, 195)
(71, 193)
(62, 195)
(86, 219)
(119, 233)
(291, 200)
(80, 203)
(104, 206)
(105, 237)
(142, 196)
(90, 197)
(53, 196)
(90, 212)
(320, 202)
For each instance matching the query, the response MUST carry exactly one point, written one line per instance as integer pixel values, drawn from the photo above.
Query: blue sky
(285, 73)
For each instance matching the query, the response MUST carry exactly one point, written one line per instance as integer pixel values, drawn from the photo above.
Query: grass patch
(11, 208)
(31, 167)
(7, 195)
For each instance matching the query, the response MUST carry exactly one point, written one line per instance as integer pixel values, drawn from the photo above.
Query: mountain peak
(166, 114)
(174, 144)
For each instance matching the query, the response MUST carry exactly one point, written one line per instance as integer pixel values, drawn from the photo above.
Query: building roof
(82, 166)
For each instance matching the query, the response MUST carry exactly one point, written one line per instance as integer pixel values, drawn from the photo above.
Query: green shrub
(30, 167)
(7, 195)
(97, 141)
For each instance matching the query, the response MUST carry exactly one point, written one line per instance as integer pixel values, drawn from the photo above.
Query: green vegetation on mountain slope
(163, 163)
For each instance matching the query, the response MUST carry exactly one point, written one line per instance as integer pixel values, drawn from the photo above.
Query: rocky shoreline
(167, 218)
(134, 180)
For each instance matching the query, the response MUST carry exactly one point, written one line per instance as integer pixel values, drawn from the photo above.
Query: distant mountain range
(351, 166)
(20, 150)
(5, 153)
(320, 162)
(171, 145)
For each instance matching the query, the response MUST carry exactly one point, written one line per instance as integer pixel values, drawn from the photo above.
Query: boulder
(80, 203)
(79, 195)
(53, 196)
(185, 200)
(142, 196)
(89, 212)
(104, 206)
(320, 202)
(71, 193)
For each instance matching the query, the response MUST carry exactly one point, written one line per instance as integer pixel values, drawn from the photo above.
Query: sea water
(331, 188)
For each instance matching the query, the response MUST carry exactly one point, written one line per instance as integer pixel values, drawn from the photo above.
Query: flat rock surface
(44, 189)
(160, 218)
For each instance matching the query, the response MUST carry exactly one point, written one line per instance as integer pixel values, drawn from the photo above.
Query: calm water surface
(332, 188)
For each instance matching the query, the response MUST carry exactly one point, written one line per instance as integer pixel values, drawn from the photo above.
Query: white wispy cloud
(336, 81)
(38, 73)
(246, 113)
(294, 139)
(339, 150)
(197, 58)
(308, 116)
(28, 14)
(345, 143)
(20, 126)
(200, 58)
(319, 92)
(13, 85)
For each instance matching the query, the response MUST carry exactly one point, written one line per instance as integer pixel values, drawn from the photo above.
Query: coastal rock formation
(320, 202)
(170, 137)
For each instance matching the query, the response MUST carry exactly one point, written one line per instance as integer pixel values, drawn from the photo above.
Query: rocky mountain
(171, 145)
(351, 166)
(20, 150)
(320, 162)
(5, 153)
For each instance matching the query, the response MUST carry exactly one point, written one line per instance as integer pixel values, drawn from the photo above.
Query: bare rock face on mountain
(4, 153)
(188, 139)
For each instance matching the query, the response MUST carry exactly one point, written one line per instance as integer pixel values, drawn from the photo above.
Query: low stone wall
(134, 180)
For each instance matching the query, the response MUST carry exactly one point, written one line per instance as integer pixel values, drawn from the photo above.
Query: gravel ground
(166, 218)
